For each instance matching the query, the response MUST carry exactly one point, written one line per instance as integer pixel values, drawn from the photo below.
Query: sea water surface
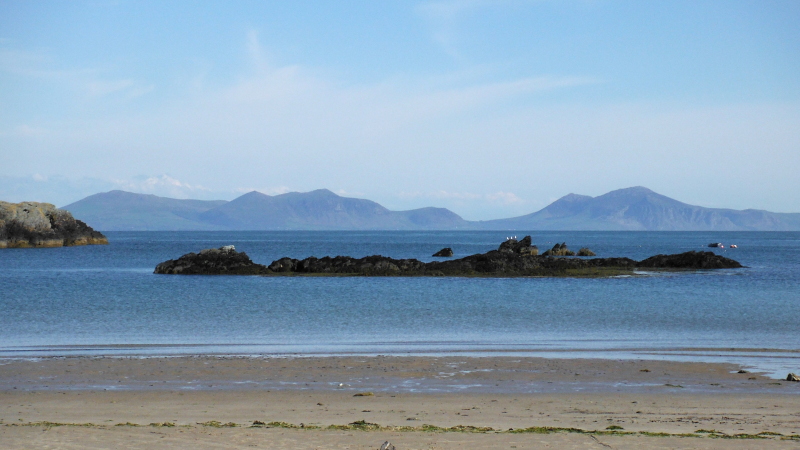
(105, 300)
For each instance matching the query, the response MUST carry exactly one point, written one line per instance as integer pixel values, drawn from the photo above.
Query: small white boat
(734, 246)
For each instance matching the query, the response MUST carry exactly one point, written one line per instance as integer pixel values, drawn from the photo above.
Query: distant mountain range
(315, 210)
(639, 208)
(126, 211)
(635, 208)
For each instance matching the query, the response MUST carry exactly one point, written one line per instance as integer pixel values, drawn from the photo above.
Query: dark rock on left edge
(33, 224)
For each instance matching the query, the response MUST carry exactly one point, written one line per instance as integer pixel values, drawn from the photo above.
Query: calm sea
(105, 300)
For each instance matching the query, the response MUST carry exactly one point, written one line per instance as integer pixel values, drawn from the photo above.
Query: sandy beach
(413, 402)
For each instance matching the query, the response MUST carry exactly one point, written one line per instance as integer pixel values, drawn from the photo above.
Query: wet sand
(79, 402)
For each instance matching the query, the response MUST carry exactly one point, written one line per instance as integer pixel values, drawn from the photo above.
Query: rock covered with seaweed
(689, 260)
(522, 247)
(512, 259)
(33, 224)
(559, 250)
(212, 261)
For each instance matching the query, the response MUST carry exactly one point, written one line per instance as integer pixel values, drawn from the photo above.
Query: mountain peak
(323, 193)
(635, 190)
(254, 194)
(573, 198)
(317, 193)
(321, 209)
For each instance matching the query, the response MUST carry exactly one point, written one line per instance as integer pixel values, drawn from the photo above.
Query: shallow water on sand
(106, 300)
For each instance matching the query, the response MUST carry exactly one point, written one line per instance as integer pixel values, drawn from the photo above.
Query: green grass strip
(362, 425)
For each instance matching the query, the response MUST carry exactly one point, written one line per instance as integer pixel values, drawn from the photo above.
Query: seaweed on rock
(512, 259)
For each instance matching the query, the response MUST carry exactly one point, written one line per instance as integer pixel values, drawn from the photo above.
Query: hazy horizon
(488, 108)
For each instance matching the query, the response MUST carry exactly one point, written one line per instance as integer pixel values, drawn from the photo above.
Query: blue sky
(490, 108)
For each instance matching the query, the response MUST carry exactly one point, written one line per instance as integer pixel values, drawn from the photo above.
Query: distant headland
(31, 224)
(630, 209)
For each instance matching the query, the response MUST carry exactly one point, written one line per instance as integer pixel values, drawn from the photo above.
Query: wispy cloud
(98, 88)
(346, 193)
(26, 63)
(294, 96)
(61, 190)
(164, 185)
(442, 18)
(27, 131)
(89, 82)
(504, 197)
(448, 9)
(481, 93)
(256, 52)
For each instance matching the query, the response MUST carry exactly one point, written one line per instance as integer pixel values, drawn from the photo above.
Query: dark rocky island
(512, 259)
(32, 224)
(689, 260)
(213, 261)
(446, 252)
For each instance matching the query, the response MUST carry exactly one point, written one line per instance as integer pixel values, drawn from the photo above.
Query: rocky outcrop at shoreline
(512, 259)
(213, 261)
(32, 224)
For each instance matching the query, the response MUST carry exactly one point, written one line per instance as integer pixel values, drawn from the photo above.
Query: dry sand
(196, 396)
